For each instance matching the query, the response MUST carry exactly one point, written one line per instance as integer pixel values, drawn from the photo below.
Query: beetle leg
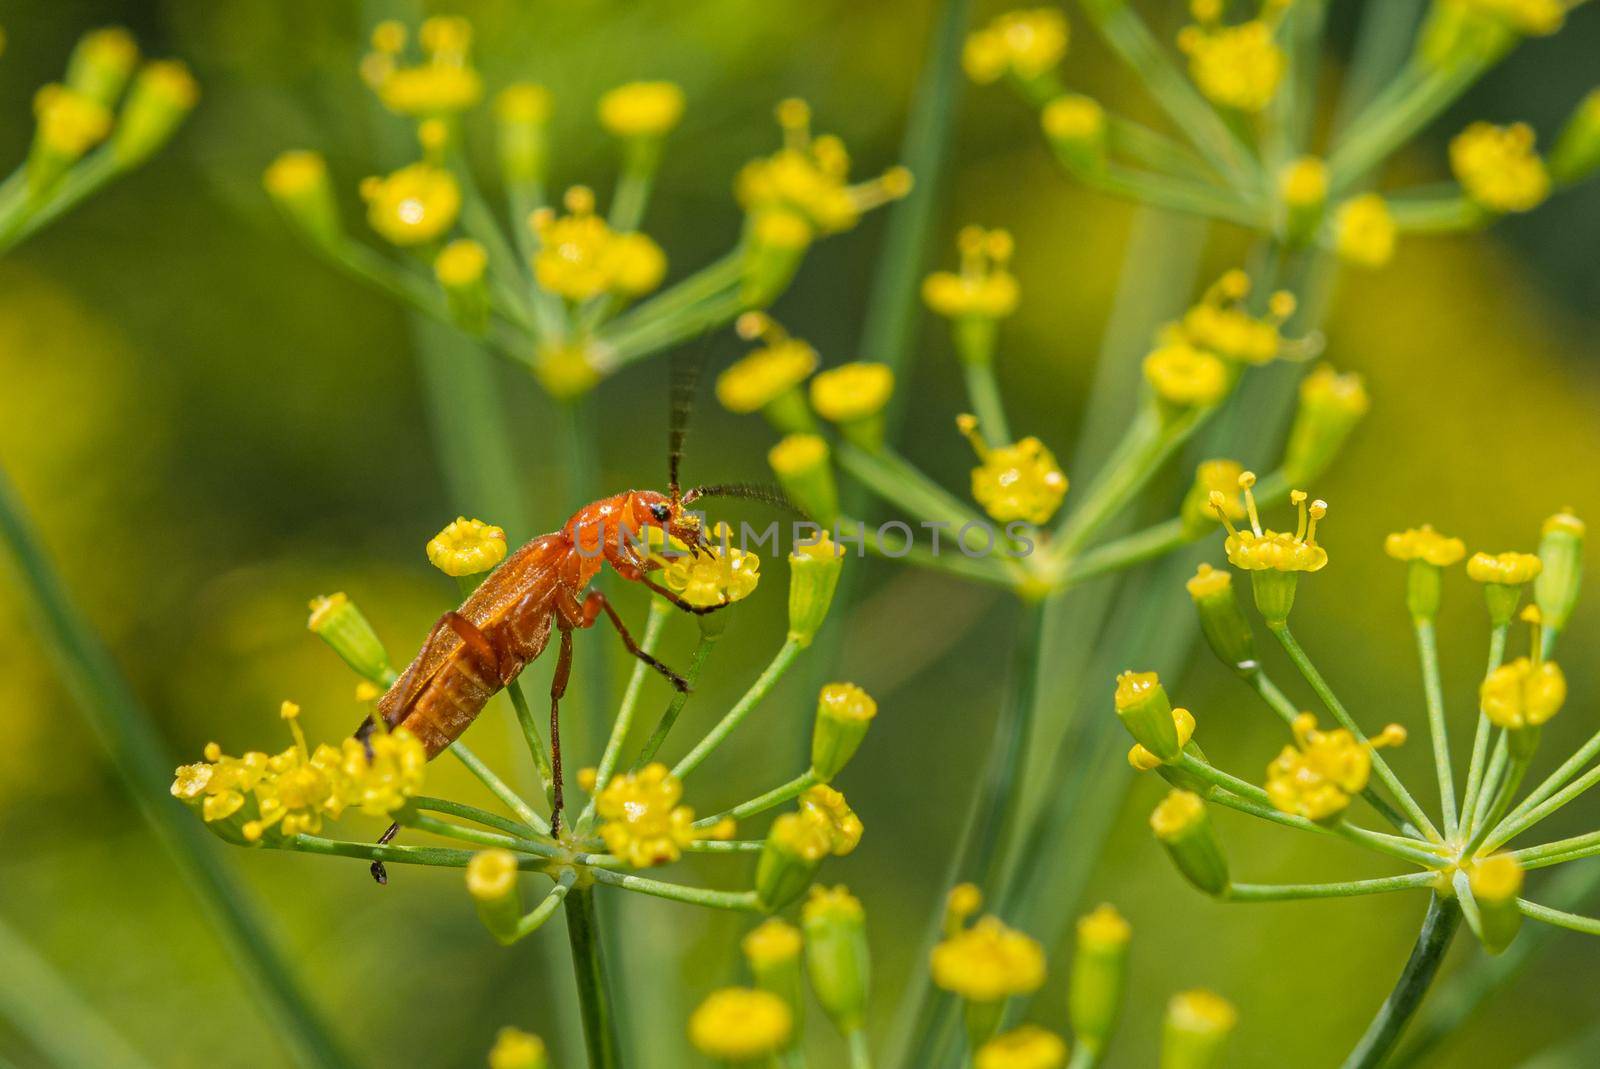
(379, 873)
(476, 641)
(558, 688)
(595, 604)
(698, 610)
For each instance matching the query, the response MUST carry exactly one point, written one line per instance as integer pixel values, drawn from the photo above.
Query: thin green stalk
(1152, 542)
(1559, 917)
(1276, 699)
(530, 733)
(1176, 194)
(138, 753)
(1480, 738)
(739, 901)
(1289, 892)
(478, 836)
(1559, 851)
(1438, 927)
(1153, 441)
(860, 1053)
(463, 811)
(535, 918)
(1502, 801)
(1303, 662)
(391, 853)
(588, 969)
(742, 708)
(1559, 778)
(709, 282)
(897, 481)
(499, 788)
(763, 802)
(1388, 123)
(986, 569)
(983, 392)
(1433, 691)
(1510, 829)
(1440, 214)
(655, 626)
(697, 661)
(1151, 148)
(1489, 788)
(625, 345)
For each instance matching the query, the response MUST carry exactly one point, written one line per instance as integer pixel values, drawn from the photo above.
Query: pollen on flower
(642, 821)
(770, 943)
(581, 257)
(1317, 776)
(70, 122)
(1238, 66)
(467, 547)
(718, 574)
(1524, 693)
(1027, 1047)
(765, 374)
(1255, 549)
(641, 109)
(414, 205)
(1021, 481)
(844, 827)
(988, 962)
(1498, 167)
(1186, 377)
(1425, 544)
(1364, 231)
(1021, 43)
(982, 286)
(852, 392)
(1505, 569)
(738, 1024)
(444, 83)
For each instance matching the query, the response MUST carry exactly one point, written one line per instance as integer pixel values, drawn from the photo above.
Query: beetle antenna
(763, 492)
(685, 376)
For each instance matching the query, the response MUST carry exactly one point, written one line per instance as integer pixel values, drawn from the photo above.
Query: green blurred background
(211, 427)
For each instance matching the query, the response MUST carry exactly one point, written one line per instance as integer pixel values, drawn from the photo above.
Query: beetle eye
(660, 512)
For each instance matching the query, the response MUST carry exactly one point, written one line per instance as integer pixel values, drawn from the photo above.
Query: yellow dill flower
(1186, 377)
(300, 786)
(844, 826)
(1524, 693)
(460, 264)
(492, 875)
(1220, 323)
(523, 103)
(101, 62)
(982, 287)
(1364, 231)
(1535, 18)
(1504, 569)
(806, 179)
(1027, 1047)
(766, 374)
(805, 834)
(1073, 117)
(515, 1049)
(163, 93)
(1316, 778)
(70, 122)
(566, 369)
(580, 256)
(1261, 550)
(641, 109)
(382, 780)
(1303, 182)
(1498, 167)
(1021, 481)
(988, 962)
(219, 783)
(772, 943)
(1182, 722)
(1197, 1024)
(852, 392)
(719, 574)
(1496, 879)
(413, 206)
(1220, 475)
(445, 83)
(1425, 544)
(643, 822)
(467, 547)
(1022, 43)
(740, 1024)
(1237, 67)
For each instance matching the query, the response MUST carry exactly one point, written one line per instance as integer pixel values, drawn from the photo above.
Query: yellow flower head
(523, 103)
(380, 781)
(1524, 693)
(444, 83)
(1021, 481)
(567, 368)
(1103, 927)
(847, 702)
(1303, 183)
(844, 827)
(70, 122)
(1258, 550)
(805, 834)
(831, 902)
(642, 821)
(1506, 569)
(1238, 66)
(299, 787)
(467, 547)
(1182, 719)
(852, 392)
(1022, 43)
(1073, 117)
(1498, 167)
(1425, 544)
(806, 179)
(982, 287)
(1535, 18)
(492, 875)
(516, 1049)
(220, 783)
(1327, 390)
(1364, 231)
(765, 374)
(580, 256)
(770, 943)
(719, 574)
(1186, 377)
(641, 109)
(1220, 324)
(461, 263)
(1316, 777)
(1028, 1047)
(1176, 814)
(739, 1024)
(989, 962)
(1496, 879)
(413, 206)
(294, 173)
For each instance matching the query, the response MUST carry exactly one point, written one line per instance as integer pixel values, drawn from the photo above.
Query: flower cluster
(554, 295)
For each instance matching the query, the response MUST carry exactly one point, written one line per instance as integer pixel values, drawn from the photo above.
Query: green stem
(530, 733)
(435, 856)
(588, 969)
(498, 787)
(1287, 892)
(761, 803)
(1124, 553)
(652, 746)
(902, 484)
(1559, 917)
(1428, 652)
(1438, 927)
(1480, 738)
(535, 918)
(860, 1053)
(1559, 778)
(983, 392)
(1510, 829)
(741, 709)
(1502, 801)
(655, 625)
(1276, 699)
(137, 751)
(740, 901)
(463, 811)
(1559, 851)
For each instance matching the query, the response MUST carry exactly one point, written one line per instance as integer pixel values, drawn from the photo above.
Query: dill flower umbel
(1221, 324)
(989, 962)
(982, 286)
(642, 821)
(1365, 231)
(739, 1024)
(1237, 66)
(412, 206)
(1021, 481)
(1024, 44)
(641, 109)
(1316, 777)
(581, 257)
(1257, 550)
(1498, 167)
(1028, 1047)
(719, 574)
(467, 547)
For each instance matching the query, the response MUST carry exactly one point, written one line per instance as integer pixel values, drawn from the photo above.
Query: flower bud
(336, 621)
(854, 396)
(802, 464)
(163, 94)
(1076, 127)
(772, 950)
(844, 712)
(1502, 576)
(1577, 152)
(297, 182)
(1303, 188)
(795, 846)
(522, 116)
(1555, 589)
(814, 569)
(460, 268)
(1428, 552)
(1496, 881)
(1184, 828)
(1099, 967)
(1142, 706)
(1143, 760)
(492, 883)
(1331, 405)
(67, 125)
(767, 380)
(1222, 621)
(102, 63)
(1274, 594)
(1198, 1023)
(1221, 476)
(836, 955)
(516, 1049)
(775, 242)
(467, 547)
(1025, 1047)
